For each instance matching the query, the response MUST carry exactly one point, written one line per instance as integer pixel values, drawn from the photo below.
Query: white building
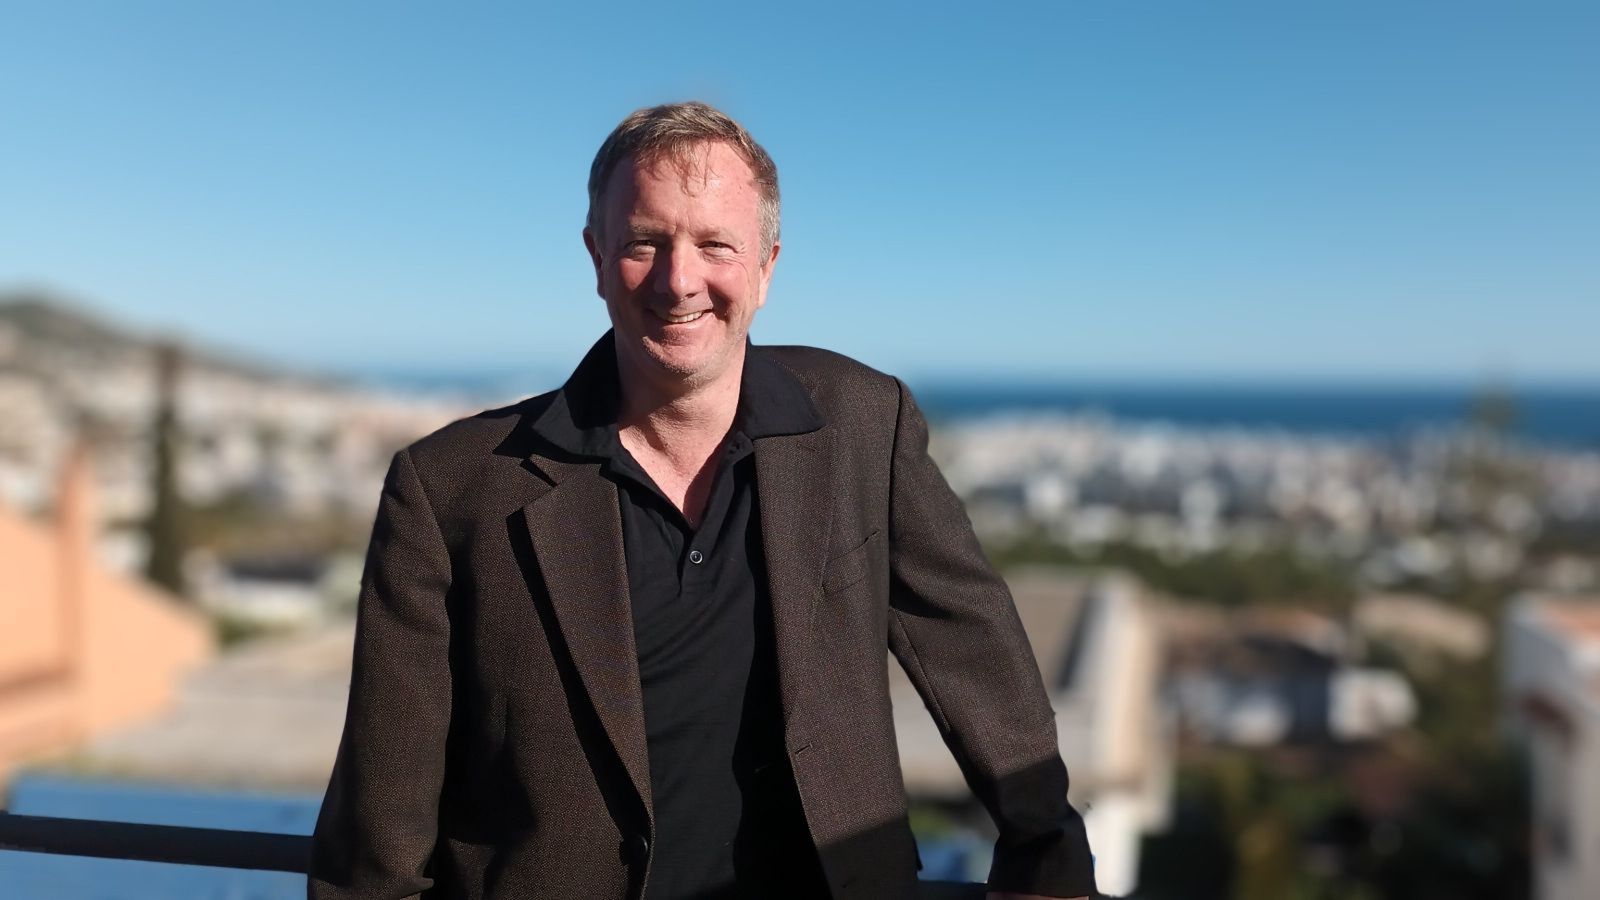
(1099, 652)
(1552, 681)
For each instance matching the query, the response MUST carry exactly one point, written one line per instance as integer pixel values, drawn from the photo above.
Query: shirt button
(696, 557)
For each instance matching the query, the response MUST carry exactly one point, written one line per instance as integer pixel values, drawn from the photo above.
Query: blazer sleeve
(954, 629)
(377, 827)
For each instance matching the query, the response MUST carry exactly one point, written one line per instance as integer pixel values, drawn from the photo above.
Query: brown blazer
(494, 744)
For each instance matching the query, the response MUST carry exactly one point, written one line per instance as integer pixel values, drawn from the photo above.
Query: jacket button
(638, 849)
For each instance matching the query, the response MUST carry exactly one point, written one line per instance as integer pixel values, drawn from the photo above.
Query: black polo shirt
(727, 818)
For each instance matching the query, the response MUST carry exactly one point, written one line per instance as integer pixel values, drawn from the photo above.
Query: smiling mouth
(678, 320)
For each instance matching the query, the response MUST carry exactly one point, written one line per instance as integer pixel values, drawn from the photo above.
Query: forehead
(709, 178)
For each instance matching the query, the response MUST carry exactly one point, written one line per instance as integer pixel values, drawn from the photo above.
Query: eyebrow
(634, 230)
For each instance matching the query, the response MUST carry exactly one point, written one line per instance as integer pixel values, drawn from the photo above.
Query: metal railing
(182, 845)
(224, 848)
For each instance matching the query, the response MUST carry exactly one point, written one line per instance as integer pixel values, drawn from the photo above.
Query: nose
(680, 273)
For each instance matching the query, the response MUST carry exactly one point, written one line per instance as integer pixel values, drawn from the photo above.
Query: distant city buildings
(1263, 678)
(1435, 507)
(285, 591)
(285, 444)
(292, 446)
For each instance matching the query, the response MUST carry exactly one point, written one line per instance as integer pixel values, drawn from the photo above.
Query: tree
(164, 528)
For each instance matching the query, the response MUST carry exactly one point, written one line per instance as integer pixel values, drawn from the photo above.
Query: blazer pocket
(850, 566)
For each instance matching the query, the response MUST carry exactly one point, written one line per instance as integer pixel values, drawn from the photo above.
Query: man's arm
(377, 827)
(954, 628)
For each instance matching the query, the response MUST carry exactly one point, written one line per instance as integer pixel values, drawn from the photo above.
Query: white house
(1552, 695)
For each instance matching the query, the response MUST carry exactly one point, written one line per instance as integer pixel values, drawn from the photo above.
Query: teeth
(679, 320)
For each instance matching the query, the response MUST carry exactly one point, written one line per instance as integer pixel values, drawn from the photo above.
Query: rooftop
(1574, 621)
(1578, 618)
(267, 715)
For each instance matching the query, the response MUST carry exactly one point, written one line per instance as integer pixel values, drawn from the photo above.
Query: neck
(680, 420)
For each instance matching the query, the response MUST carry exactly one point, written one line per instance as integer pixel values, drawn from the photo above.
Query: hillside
(40, 334)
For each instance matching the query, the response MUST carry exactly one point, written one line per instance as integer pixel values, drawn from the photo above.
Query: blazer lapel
(576, 530)
(792, 477)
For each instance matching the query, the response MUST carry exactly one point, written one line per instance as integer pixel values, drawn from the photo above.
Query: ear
(592, 243)
(767, 266)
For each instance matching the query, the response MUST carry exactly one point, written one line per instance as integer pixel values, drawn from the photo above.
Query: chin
(684, 362)
(676, 359)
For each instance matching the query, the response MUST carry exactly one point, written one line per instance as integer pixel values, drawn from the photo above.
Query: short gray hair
(670, 131)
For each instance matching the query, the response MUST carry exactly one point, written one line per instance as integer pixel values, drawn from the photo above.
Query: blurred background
(1258, 337)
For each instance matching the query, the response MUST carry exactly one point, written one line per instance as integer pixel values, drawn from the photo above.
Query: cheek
(737, 287)
(632, 274)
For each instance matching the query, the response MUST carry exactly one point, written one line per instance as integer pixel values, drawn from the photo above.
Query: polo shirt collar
(582, 417)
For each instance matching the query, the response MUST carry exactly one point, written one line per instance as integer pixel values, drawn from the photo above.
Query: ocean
(1567, 417)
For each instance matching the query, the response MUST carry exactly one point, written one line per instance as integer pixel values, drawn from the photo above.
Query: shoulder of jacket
(477, 436)
(831, 375)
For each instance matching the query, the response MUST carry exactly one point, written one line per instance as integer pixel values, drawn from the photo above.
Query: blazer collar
(581, 418)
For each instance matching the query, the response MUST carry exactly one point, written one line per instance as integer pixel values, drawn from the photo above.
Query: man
(628, 637)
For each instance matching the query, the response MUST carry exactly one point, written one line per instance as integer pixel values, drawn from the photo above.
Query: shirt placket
(695, 566)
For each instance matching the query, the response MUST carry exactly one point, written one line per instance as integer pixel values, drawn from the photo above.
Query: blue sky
(1110, 190)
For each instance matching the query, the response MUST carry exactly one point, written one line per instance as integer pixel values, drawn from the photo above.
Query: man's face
(680, 265)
